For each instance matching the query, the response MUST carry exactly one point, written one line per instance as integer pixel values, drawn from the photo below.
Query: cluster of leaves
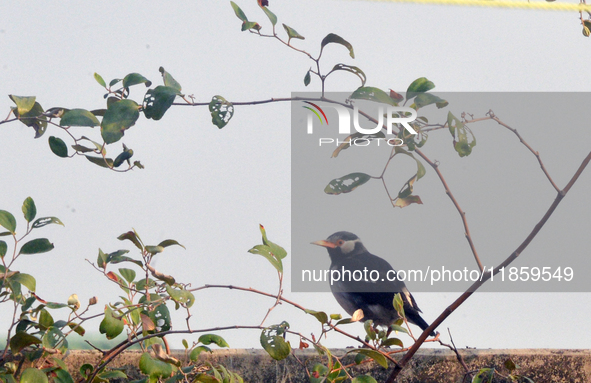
(37, 340)
(120, 114)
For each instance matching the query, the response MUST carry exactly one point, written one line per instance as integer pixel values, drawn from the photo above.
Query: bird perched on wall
(374, 297)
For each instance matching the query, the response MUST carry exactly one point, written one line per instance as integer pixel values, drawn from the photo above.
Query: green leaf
(320, 315)
(128, 274)
(248, 25)
(170, 242)
(194, 355)
(425, 99)
(398, 304)
(21, 340)
(111, 325)
(77, 329)
(125, 155)
(79, 117)
(270, 15)
(332, 38)
(420, 85)
(352, 69)
(273, 342)
(133, 237)
(510, 365)
(114, 81)
(29, 209)
(277, 250)
(221, 111)
(23, 104)
(154, 368)
(36, 246)
(34, 118)
(7, 221)
(158, 100)
(26, 280)
(62, 376)
(373, 94)
(58, 147)
(346, 184)
(421, 171)
(134, 79)
(100, 80)
(363, 379)
(40, 222)
(119, 117)
(82, 149)
(238, 11)
(459, 131)
(376, 356)
(154, 249)
(266, 252)
(118, 257)
(169, 80)
(183, 297)
(485, 375)
(213, 338)
(33, 375)
(86, 370)
(113, 374)
(100, 161)
(159, 315)
(3, 249)
(307, 78)
(335, 316)
(54, 338)
(392, 342)
(292, 33)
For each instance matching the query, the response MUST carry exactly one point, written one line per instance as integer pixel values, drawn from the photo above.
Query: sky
(209, 188)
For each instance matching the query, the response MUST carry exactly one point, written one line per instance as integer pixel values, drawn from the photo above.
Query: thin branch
(535, 153)
(447, 312)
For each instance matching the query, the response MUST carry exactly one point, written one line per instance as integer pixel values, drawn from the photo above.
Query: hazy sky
(209, 189)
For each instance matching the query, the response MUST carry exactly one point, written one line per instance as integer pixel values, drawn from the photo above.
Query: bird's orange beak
(324, 243)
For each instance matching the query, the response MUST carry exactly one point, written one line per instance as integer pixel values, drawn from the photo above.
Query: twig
(447, 312)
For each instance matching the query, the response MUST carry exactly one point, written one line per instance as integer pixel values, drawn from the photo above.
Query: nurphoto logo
(394, 115)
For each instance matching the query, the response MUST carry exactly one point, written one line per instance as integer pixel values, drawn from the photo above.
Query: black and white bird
(356, 290)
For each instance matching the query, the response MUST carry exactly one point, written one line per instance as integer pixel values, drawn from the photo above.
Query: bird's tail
(415, 318)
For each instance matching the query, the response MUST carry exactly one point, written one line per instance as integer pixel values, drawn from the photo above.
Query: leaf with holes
(463, 143)
(373, 94)
(346, 184)
(40, 222)
(221, 111)
(272, 340)
(158, 100)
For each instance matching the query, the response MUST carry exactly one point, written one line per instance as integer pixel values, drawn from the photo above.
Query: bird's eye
(340, 242)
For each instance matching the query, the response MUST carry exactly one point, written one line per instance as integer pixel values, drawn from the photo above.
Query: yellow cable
(543, 5)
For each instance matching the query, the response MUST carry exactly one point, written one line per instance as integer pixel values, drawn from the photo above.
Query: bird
(370, 291)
